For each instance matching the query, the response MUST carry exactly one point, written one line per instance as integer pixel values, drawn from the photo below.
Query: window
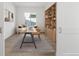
(30, 19)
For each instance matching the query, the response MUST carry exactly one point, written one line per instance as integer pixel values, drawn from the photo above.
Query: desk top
(31, 30)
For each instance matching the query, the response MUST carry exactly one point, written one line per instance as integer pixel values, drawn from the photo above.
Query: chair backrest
(38, 29)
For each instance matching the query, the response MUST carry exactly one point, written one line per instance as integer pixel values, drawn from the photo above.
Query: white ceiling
(31, 4)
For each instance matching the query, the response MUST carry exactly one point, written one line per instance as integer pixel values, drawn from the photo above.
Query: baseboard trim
(71, 54)
(10, 36)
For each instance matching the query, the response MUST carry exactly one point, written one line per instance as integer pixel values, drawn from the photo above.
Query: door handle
(60, 30)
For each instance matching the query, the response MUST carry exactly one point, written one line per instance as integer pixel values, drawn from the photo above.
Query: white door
(67, 28)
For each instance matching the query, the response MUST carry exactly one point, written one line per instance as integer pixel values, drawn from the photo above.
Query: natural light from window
(30, 19)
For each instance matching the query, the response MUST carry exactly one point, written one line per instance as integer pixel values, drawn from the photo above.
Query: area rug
(42, 45)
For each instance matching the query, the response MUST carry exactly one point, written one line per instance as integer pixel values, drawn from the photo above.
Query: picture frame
(9, 16)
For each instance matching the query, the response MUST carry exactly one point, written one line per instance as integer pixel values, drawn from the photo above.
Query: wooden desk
(34, 31)
(31, 32)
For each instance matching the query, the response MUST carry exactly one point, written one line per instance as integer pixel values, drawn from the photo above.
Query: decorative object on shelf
(50, 17)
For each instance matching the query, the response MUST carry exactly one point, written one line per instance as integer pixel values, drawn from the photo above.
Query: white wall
(9, 27)
(1, 26)
(48, 5)
(39, 11)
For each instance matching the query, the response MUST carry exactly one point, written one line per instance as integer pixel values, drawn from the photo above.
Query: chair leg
(23, 40)
(39, 37)
(33, 40)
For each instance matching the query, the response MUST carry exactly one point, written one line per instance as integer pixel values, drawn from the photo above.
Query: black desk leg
(23, 40)
(33, 40)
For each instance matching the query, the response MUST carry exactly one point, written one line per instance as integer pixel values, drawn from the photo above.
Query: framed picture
(9, 16)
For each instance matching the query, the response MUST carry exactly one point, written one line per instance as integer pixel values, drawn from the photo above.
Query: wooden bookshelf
(50, 23)
(50, 17)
